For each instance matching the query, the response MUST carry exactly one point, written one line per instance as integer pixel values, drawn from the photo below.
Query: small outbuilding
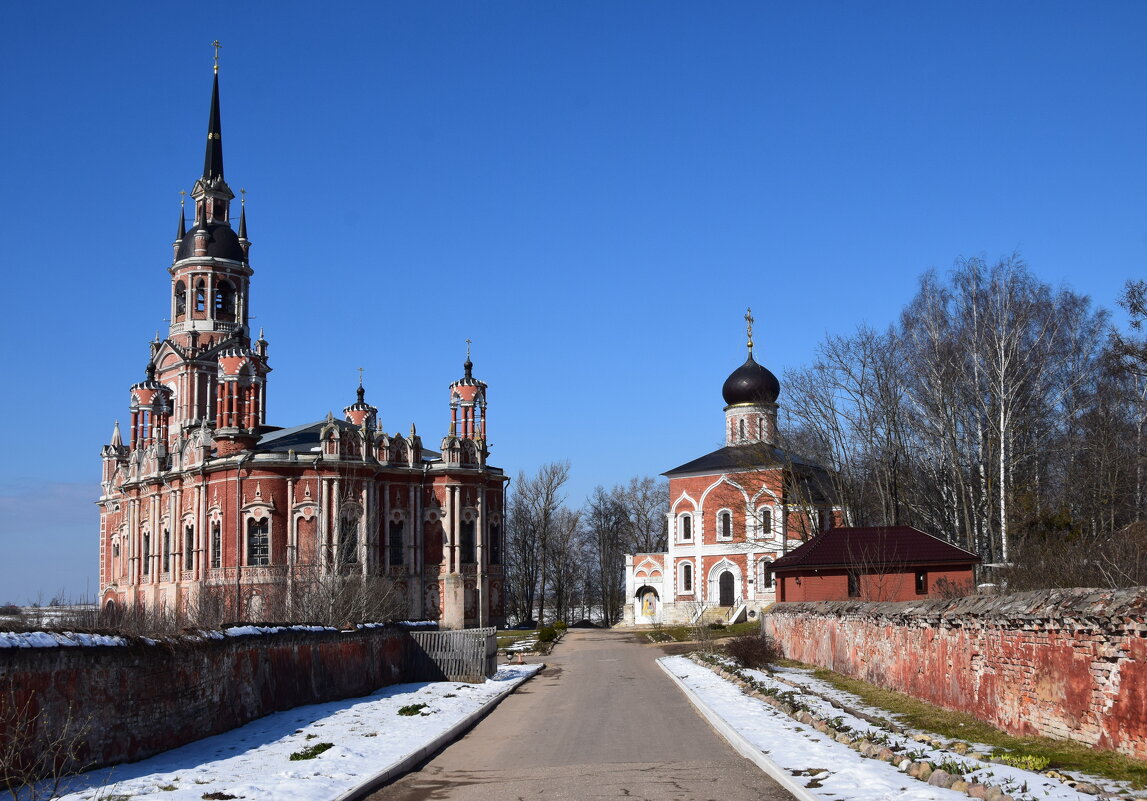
(882, 563)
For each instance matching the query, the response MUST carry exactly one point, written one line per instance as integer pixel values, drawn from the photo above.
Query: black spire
(213, 160)
(182, 226)
(243, 222)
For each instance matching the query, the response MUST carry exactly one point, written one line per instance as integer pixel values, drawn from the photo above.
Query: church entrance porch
(648, 605)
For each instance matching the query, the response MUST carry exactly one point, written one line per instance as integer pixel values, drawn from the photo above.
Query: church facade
(204, 504)
(732, 512)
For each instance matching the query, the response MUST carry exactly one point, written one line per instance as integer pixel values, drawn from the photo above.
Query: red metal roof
(876, 546)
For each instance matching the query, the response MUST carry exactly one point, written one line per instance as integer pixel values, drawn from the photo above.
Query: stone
(960, 786)
(976, 790)
(843, 738)
(993, 794)
(886, 754)
(940, 778)
(1088, 787)
(925, 771)
(960, 748)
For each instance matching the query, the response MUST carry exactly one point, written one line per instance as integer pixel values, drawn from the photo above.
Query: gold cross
(243, 200)
(216, 45)
(749, 326)
(182, 198)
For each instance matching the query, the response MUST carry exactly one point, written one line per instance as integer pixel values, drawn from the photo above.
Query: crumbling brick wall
(141, 698)
(1061, 663)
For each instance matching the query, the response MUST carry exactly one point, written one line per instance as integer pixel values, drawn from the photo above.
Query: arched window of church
(201, 296)
(764, 575)
(397, 542)
(495, 544)
(764, 522)
(724, 525)
(686, 577)
(216, 544)
(467, 542)
(686, 527)
(189, 548)
(146, 558)
(348, 540)
(224, 302)
(742, 428)
(166, 551)
(180, 300)
(258, 541)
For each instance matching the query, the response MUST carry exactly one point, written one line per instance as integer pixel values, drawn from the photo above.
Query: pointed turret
(117, 438)
(213, 158)
(182, 230)
(243, 221)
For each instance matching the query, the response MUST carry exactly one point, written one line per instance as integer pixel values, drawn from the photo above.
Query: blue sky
(593, 192)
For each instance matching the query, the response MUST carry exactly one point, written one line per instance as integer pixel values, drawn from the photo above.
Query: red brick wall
(1061, 663)
(141, 699)
(832, 585)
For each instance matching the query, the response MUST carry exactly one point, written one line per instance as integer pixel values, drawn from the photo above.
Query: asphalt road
(601, 721)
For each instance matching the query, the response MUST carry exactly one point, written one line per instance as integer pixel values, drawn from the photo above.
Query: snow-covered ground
(349, 743)
(832, 770)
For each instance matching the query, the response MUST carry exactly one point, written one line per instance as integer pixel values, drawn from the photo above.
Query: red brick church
(732, 512)
(204, 501)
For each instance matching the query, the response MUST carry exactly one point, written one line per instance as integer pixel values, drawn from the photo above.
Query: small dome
(222, 243)
(751, 383)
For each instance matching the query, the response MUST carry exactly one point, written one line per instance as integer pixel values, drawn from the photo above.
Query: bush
(718, 626)
(560, 625)
(547, 634)
(754, 650)
(11, 609)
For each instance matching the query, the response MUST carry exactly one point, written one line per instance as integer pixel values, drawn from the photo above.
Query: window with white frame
(764, 575)
(685, 527)
(686, 577)
(188, 547)
(764, 522)
(724, 525)
(258, 541)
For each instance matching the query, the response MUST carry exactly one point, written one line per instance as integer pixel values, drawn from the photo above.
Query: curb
(741, 745)
(431, 749)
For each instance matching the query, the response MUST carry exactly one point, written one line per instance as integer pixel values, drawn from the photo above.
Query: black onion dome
(222, 243)
(751, 383)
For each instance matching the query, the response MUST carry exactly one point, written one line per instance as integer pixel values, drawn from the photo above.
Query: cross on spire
(360, 376)
(468, 343)
(216, 45)
(749, 327)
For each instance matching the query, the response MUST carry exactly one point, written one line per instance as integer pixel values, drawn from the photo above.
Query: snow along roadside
(319, 752)
(738, 740)
(433, 746)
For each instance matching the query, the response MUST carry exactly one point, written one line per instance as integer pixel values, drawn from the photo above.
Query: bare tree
(646, 501)
(534, 504)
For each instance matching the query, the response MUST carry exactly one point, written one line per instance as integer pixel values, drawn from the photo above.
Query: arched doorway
(725, 589)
